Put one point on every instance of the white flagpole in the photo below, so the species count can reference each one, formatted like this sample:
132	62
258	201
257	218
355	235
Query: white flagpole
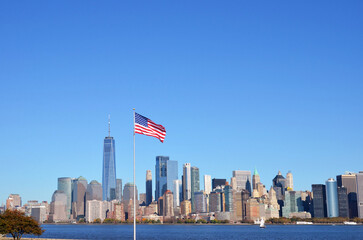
134	184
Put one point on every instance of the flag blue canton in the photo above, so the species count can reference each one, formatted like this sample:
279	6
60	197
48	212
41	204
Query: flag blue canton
139	119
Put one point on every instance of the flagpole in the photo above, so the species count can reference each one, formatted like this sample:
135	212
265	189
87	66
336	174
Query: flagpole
134	184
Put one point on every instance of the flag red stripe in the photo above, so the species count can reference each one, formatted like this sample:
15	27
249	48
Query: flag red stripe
153	130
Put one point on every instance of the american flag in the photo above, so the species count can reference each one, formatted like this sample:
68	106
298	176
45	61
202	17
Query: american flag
145	126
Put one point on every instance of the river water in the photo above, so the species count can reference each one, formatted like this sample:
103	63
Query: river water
207	232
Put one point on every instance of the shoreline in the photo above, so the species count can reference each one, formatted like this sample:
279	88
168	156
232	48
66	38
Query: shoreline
206	224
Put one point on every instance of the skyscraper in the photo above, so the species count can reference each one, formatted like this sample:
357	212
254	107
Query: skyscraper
13	201
207	184
149	187
343	202
200	201
79	197
195	184
359	177
168	206
243	180
279	185
58	207
228	195
187	179
94	191
292	203
215	202
349	181
65	185
218	182
319	201
171	174
161	182
176	192
119	190
289	181
332	198
109	167
255	179
128	193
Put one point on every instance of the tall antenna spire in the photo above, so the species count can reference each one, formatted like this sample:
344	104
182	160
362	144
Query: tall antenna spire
109	126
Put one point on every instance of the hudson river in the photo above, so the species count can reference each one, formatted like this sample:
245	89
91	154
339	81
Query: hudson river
208	232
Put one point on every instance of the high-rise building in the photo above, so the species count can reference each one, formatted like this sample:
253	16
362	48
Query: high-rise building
194	184
292	203
215	202
349	181
13	201
149	187
58	207
168	207
185	207
243	179
200	202
109	167
273	208
78	198
279	185
176	192
96	209
218	182
359	177
94	191
207	184
38	213
119	190
289	181
161	182
319	201
187	182
128	193
171	174
228	195
254	209
255	179
343	202
332	198
65	185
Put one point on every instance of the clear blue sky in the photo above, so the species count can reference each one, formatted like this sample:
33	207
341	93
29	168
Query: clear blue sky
276	85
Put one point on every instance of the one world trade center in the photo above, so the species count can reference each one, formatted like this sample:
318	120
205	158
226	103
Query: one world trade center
109	167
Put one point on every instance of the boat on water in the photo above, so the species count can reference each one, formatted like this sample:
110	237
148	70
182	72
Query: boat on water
303	223
350	223
262	223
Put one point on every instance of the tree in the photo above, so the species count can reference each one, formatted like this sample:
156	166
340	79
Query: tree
16	223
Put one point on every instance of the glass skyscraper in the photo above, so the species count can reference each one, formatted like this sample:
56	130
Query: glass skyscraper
65	185
149	187
332	198
243	180
160	176
319	200
109	169
195	184
187	185
171	175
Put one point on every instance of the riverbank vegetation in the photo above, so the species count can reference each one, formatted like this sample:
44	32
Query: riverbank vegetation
15	223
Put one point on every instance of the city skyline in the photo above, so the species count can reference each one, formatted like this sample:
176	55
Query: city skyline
276	86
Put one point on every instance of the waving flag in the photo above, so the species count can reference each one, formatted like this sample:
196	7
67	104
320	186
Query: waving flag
145	126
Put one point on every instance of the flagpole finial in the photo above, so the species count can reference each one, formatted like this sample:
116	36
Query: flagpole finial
133	109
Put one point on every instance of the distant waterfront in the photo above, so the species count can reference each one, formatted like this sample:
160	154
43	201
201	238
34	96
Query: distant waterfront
209	232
